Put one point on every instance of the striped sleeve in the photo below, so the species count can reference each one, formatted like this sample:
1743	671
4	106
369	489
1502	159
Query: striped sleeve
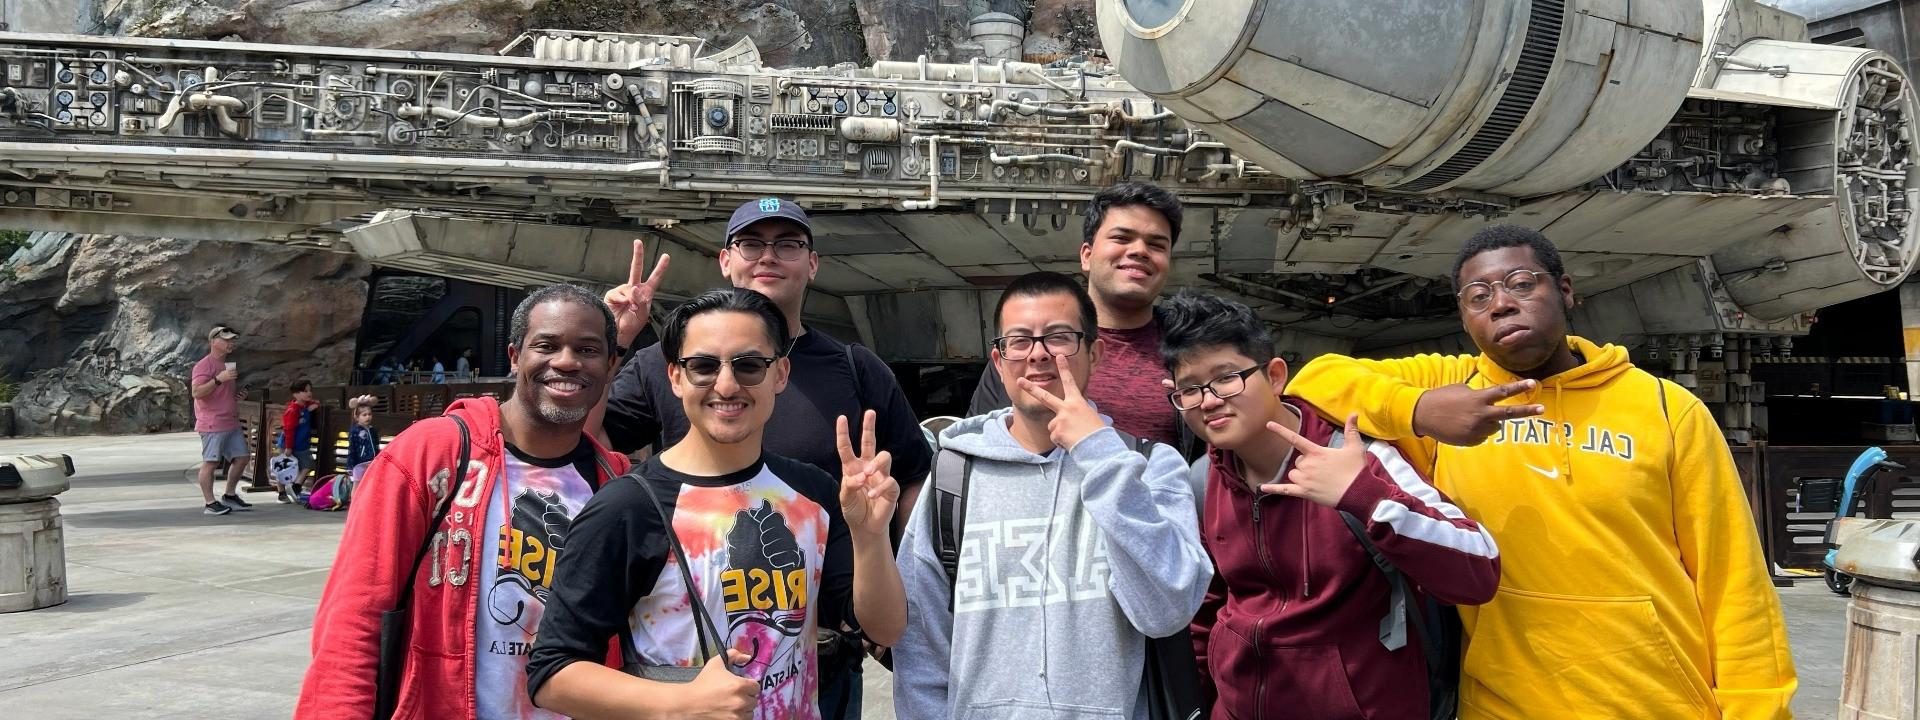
1430	539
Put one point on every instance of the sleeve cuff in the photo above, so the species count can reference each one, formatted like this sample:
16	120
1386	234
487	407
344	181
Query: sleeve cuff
1367	492
1097	444
1400	407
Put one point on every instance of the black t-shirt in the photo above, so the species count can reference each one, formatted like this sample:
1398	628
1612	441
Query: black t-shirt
643	410
771	563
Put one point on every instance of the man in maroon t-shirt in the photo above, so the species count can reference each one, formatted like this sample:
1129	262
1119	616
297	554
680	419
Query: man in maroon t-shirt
216	416
1126	252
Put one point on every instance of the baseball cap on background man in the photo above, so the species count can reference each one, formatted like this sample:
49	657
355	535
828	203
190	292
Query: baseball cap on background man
769	208
222	332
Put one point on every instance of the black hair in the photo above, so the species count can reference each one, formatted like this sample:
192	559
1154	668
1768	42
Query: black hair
1193	321
1044	282
1153	197
301	385
517	331
1498	237
740	300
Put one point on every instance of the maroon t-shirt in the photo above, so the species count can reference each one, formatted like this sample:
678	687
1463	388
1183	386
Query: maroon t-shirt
1126	384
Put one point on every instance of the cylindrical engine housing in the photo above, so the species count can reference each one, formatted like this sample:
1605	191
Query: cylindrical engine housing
1510	97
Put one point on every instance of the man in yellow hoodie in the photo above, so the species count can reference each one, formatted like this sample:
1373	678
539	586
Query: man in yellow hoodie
1633	584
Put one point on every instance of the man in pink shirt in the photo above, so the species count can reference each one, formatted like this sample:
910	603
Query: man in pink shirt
216	397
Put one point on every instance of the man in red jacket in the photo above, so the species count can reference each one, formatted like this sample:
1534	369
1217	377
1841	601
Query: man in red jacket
478	594
1292	624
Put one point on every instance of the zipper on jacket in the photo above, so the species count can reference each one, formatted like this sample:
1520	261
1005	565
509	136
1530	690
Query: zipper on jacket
1260	688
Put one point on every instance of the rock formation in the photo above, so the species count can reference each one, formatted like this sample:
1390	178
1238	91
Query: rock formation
106	328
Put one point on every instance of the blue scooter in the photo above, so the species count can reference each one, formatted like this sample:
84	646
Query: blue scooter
1860	476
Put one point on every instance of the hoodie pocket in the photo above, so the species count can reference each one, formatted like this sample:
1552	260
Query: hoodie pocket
1309	682
1577	656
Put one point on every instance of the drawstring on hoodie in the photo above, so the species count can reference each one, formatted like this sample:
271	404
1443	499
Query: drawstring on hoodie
1566	429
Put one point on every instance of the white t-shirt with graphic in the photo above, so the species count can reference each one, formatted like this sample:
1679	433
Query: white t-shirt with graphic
529	515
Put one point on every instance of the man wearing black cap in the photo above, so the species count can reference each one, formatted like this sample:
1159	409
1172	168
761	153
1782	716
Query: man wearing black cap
769	249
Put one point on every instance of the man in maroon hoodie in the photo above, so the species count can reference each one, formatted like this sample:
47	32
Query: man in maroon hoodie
479	593
1292	625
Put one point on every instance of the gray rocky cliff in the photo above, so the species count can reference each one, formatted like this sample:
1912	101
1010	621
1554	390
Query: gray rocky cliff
105	329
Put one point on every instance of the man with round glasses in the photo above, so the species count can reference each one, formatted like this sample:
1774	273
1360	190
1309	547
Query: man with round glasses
1289	572
1633	583
770	250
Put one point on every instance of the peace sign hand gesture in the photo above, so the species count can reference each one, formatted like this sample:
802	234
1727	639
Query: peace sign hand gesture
1321	474
1073	417
632	302
868	492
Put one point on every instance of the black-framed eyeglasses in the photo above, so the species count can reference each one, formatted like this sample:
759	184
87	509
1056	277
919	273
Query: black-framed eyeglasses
751	250
704	370
1520	284
1065	343
1223	387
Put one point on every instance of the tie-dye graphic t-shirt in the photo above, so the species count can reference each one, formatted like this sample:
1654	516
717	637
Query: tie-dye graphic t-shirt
528	517
770	560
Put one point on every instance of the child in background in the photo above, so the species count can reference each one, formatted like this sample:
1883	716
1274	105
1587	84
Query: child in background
296	435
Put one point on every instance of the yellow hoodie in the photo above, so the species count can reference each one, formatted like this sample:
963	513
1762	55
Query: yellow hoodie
1632	583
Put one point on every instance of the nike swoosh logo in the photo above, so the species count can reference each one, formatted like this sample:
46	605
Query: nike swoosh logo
1551	474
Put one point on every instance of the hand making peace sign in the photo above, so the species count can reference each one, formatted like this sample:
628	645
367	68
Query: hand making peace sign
633	301
868	491
1321	474
1073	417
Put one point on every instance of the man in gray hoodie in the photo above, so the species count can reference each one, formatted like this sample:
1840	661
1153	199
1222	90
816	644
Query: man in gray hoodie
1076	548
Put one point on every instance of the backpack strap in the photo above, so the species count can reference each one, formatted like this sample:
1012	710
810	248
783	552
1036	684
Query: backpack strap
1393	627
952	472
853	372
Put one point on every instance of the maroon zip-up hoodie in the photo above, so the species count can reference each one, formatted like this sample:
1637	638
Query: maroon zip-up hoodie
1291	626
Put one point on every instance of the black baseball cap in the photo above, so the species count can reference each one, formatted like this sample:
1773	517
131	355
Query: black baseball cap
767	208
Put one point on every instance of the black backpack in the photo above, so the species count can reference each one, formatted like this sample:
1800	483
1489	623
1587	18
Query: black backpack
1171	676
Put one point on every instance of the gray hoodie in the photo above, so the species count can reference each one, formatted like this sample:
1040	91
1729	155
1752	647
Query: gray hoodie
1069	561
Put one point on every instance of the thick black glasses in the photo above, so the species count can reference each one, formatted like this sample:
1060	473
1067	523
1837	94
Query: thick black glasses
1065	343
1223	387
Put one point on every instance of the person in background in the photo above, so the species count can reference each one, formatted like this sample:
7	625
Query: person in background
463	366
296	435
439	371
216	416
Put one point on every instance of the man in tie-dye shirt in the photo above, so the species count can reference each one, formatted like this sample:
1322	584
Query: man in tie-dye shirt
773	549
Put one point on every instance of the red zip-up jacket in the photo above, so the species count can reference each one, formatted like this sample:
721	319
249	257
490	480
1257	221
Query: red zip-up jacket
392	506
1291	626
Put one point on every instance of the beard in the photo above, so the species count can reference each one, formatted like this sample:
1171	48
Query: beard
556	414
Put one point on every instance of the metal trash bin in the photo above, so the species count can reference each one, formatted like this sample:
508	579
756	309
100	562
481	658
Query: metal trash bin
1882	676
33	556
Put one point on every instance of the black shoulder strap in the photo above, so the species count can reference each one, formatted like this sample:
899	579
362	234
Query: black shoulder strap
1393	627
853	371
459	476
952	473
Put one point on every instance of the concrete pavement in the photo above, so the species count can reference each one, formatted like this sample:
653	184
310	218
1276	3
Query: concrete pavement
175	614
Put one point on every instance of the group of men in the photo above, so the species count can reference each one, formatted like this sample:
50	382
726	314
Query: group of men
1136	476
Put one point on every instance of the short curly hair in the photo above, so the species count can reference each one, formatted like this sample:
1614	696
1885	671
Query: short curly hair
1498	237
